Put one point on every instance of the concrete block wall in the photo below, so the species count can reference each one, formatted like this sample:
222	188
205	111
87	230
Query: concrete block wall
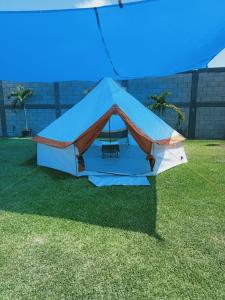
40	118
211	87
203	101
211	123
211	120
37	120
43	93
178	85
71	92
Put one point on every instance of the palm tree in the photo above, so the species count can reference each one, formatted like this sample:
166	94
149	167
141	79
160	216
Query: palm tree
20	96
161	105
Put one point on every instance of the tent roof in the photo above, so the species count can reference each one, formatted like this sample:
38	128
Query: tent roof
145	38
107	93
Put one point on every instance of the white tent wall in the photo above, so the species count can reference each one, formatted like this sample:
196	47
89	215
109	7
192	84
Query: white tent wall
62	159
168	156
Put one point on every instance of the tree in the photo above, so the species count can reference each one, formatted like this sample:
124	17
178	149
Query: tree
20	96
161	105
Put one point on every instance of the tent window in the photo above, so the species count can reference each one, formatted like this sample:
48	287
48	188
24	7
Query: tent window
117	134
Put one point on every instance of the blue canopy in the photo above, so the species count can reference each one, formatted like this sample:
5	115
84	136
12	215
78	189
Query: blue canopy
122	41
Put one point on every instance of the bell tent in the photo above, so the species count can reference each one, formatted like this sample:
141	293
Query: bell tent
73	143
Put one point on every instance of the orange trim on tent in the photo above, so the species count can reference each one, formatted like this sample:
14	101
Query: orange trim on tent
85	139
142	139
50	142
173	140
54	143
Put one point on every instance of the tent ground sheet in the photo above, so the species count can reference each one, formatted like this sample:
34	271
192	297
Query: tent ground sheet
131	161
118	180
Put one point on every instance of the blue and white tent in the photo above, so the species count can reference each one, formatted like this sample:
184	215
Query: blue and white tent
69	144
57	40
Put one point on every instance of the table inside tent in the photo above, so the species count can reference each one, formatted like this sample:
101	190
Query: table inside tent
110	148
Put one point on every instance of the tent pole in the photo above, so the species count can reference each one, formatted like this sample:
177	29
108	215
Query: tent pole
110	135
110	132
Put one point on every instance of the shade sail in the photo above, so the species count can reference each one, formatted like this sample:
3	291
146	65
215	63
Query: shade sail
143	38
28	5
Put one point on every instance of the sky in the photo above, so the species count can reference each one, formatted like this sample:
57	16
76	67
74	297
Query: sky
218	61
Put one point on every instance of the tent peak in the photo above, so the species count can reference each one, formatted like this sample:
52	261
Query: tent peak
109	82
107	79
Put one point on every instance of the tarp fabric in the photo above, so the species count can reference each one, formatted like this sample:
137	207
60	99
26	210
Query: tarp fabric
118	180
42	5
147	38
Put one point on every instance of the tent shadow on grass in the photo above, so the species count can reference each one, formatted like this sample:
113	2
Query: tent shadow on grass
64	196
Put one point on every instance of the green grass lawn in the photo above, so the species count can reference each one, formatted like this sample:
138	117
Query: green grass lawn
63	238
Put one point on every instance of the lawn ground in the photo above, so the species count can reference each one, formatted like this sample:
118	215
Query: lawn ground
62	238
